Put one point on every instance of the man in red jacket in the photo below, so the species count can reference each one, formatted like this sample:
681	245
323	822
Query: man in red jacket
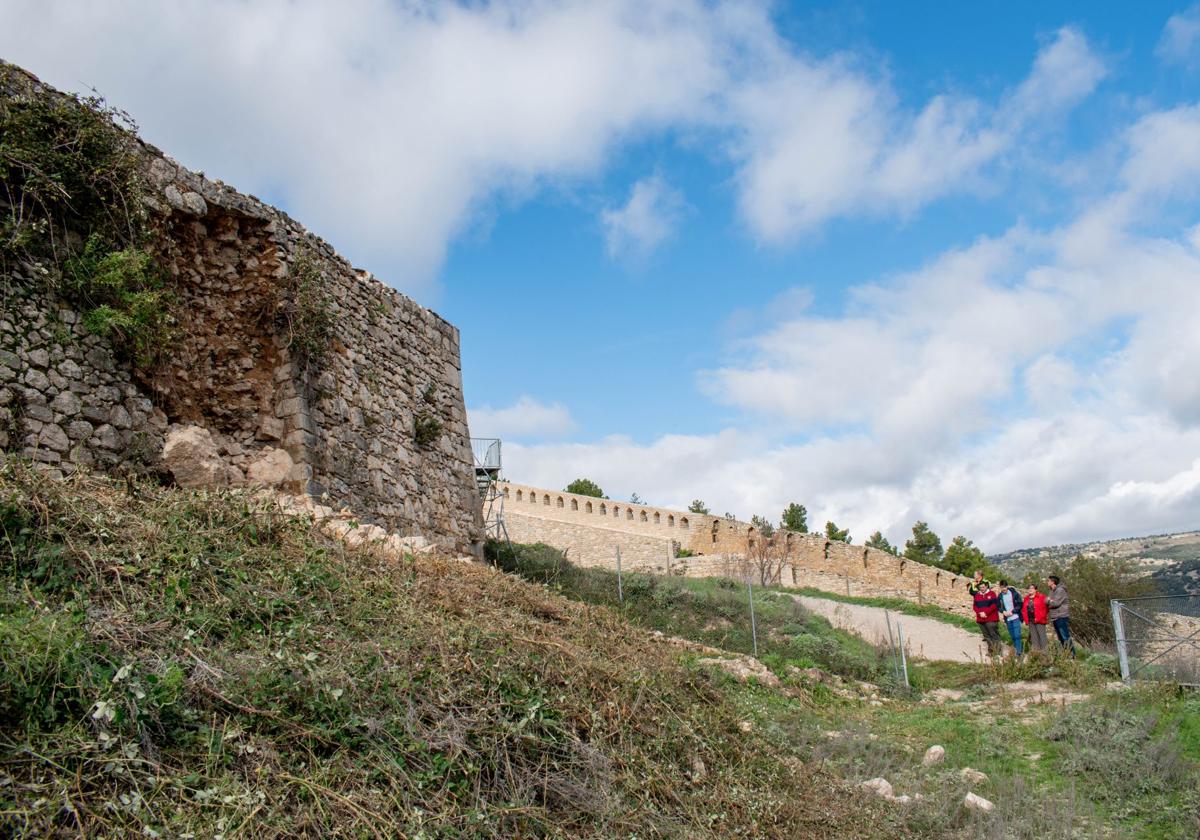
987	616
1037	616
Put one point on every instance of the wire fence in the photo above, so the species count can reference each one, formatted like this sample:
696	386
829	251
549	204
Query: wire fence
1158	638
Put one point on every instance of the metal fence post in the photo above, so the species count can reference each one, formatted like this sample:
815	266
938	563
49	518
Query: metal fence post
903	655
753	623
1119	632
887	618
620	586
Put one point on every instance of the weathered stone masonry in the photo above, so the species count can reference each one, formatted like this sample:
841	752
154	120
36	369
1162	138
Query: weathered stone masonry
346	424
590	530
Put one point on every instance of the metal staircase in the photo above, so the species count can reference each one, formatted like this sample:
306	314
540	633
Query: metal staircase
486	454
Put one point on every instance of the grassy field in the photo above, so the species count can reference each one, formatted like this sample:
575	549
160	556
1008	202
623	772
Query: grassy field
189	665
1076	761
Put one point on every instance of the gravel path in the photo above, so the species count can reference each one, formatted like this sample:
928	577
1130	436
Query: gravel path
924	637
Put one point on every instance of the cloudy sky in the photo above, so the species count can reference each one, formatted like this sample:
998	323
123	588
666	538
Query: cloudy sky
892	261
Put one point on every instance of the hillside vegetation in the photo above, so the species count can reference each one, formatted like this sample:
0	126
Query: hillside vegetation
1064	753
180	664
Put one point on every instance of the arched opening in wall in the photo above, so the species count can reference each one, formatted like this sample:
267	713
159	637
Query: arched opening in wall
657	518
519	496
574	504
825	550
589	507
560	501
683	523
903	563
645	518
604	510
670	520
546	500
506	492
629	514
937	579
715	526
616	512
533	498
865	558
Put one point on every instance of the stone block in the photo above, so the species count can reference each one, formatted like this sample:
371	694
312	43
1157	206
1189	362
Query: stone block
67	404
54	438
79	430
192	458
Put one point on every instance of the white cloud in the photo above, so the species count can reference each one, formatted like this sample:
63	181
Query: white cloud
1065	72
645	222
526	418
821	140
1035	387
1164	152
1180	41
382	125
388	127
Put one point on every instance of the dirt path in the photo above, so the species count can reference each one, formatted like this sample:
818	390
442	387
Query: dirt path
924	637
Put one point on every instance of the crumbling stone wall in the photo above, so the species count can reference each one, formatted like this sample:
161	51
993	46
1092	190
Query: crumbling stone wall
591	528
375	422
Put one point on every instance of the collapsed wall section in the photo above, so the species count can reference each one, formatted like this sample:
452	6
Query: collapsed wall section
283	354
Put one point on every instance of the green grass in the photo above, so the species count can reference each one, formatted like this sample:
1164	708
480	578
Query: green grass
712	611
1082	771
182	664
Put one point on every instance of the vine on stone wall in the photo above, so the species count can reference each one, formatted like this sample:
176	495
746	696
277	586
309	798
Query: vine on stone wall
73	212
304	315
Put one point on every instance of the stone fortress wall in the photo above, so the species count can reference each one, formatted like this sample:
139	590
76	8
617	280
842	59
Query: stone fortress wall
591	529
344	429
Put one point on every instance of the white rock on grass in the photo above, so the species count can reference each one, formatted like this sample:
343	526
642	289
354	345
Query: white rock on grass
973	776
934	755
879	786
974	802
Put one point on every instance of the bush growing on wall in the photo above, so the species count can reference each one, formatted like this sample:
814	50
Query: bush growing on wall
70	168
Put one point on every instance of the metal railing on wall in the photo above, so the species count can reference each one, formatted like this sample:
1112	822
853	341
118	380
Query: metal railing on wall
1158	638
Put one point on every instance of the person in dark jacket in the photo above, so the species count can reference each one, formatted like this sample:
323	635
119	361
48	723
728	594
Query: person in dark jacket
1036	616
987	616
1060	612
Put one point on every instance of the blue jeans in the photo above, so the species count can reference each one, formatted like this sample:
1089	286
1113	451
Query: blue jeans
1062	629
1014	632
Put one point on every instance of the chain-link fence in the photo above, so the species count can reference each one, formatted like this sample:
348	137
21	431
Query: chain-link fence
1158	638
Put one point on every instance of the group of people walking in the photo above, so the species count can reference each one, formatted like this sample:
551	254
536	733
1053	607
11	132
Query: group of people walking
1036	610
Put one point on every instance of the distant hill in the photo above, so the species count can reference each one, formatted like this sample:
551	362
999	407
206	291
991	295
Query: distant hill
1171	559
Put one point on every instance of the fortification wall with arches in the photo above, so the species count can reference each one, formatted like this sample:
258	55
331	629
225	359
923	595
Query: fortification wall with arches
590	530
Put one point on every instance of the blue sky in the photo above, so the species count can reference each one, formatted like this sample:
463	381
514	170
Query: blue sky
893	261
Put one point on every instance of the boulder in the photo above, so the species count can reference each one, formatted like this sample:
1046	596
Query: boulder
271	469
974	802
879	786
191	455
934	755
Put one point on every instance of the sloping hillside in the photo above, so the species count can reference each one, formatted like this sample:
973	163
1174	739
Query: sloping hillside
176	664
1171	560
